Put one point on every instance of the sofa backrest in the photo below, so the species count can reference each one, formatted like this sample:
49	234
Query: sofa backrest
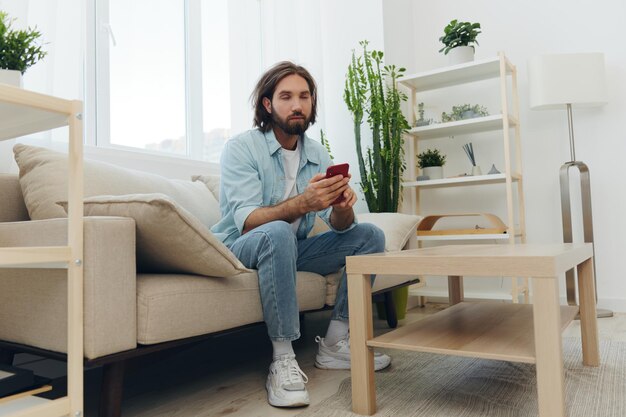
12	208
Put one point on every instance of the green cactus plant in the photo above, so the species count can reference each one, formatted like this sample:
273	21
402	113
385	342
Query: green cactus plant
371	89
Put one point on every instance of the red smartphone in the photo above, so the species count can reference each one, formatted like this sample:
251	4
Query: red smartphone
339	169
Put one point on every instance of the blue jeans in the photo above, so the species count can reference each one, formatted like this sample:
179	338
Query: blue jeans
273	250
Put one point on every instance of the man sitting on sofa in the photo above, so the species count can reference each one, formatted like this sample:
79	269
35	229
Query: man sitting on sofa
273	184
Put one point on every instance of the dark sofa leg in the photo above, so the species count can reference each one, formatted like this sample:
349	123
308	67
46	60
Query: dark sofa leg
390	309
6	356
112	389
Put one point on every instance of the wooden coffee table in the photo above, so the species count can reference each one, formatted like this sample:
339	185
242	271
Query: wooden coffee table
528	333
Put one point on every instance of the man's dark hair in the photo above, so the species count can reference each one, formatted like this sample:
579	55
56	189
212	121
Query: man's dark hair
266	86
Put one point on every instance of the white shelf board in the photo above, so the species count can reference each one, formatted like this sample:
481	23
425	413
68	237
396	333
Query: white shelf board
498	236
462	127
461	181
24	112
453	75
495	236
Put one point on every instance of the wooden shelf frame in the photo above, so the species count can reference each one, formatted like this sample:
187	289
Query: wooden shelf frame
24	112
500	70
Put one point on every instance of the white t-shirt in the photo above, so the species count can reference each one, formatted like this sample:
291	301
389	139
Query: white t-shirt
291	162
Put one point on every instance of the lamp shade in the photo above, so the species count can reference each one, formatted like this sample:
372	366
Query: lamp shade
576	79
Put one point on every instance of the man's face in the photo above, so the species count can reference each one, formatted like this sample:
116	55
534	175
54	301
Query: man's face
291	105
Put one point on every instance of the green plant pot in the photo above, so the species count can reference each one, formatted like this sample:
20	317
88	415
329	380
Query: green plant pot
400	298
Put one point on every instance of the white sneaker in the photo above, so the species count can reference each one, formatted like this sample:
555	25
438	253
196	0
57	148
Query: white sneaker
285	383
338	356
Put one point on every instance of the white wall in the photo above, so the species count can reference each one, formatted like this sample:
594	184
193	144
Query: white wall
523	30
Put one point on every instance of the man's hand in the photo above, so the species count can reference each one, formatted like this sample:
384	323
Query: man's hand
319	195
349	199
322	191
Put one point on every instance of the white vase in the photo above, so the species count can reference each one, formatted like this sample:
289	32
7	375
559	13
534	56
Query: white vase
434	173
11	77
460	55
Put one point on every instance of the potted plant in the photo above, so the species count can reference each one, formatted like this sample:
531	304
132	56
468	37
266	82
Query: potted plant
371	89
457	40
464	111
421	121
19	50
431	162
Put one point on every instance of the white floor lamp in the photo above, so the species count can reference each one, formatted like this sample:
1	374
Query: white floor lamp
564	81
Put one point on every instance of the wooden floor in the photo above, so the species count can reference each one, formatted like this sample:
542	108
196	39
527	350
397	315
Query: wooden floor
226	377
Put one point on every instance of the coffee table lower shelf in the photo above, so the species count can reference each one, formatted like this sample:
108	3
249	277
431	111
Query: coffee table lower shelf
487	330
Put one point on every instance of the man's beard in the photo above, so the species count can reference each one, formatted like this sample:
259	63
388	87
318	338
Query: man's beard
291	127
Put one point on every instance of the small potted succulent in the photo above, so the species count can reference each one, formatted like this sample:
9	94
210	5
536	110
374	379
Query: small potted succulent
19	50
457	39
431	162
421	121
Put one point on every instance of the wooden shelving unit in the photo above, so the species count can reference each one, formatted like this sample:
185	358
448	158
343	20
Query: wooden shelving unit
506	121
24	112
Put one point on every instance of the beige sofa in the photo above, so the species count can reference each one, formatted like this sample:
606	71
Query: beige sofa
131	307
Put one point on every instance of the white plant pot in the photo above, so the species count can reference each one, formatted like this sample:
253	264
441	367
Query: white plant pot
434	173
460	55
476	170
11	77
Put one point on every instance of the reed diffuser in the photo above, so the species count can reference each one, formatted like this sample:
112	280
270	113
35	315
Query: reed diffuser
469	151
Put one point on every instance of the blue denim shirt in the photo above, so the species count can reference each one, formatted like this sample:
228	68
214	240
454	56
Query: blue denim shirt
253	177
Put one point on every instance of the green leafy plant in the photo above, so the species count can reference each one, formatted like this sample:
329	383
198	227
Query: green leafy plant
371	89
459	34
19	49
431	158
464	111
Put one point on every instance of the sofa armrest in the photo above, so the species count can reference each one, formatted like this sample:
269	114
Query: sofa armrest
33	302
400	229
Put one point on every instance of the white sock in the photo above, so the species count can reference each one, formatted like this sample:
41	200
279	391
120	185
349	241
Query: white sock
282	348
337	330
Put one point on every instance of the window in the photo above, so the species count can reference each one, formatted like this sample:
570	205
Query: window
163	73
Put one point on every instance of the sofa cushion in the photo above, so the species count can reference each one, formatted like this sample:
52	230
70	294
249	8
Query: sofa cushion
212	182
169	238
43	178
171	307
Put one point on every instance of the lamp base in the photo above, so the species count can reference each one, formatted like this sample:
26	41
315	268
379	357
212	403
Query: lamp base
566	213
